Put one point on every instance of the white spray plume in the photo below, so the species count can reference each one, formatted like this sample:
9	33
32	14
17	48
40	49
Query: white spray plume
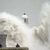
41	32
23	33
17	31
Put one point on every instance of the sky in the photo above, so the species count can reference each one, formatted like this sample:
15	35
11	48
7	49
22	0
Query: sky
17	7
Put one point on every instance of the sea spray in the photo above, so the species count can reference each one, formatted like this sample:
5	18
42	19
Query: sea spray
16	30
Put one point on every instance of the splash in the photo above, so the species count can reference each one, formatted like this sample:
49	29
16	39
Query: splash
45	14
19	32
42	32
16	30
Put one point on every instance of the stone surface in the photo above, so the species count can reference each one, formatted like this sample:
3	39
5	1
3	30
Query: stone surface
3	40
19	48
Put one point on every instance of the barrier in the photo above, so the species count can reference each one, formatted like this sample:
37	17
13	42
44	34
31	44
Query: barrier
19	48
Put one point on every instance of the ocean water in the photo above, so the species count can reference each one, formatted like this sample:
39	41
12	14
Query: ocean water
17	31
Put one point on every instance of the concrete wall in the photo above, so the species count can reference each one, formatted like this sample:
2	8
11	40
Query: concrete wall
3	40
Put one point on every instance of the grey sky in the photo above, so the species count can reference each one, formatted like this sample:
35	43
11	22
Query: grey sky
18	7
